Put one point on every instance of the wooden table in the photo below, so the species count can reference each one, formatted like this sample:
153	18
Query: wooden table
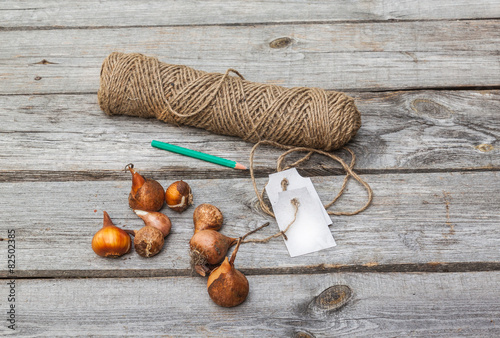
422	260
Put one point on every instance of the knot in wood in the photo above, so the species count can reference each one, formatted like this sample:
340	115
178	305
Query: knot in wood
303	334
280	42
330	300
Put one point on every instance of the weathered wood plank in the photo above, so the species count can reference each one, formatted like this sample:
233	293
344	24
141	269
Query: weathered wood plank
61	137
95	13
393	304
421	219
363	56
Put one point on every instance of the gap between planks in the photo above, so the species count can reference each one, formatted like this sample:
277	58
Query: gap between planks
431	267
367	90
192	174
236	24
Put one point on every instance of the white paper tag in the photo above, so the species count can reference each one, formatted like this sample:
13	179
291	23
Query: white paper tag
309	232
295	181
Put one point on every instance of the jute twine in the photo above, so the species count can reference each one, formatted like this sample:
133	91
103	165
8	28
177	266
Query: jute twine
309	152
134	84
300	119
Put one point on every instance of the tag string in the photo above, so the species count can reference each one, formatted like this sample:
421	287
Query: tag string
295	203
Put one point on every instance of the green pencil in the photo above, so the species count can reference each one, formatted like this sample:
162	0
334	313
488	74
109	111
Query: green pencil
197	154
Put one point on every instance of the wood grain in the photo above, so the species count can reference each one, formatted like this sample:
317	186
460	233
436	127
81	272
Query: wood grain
54	14
68	137
390	304
417	219
344	56
422	260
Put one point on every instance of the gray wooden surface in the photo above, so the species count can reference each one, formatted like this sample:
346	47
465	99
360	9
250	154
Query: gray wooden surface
417	222
423	260
343	56
381	304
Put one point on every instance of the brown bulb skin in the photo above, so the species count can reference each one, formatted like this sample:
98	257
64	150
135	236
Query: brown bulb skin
211	245
111	241
148	241
207	217
179	196
145	194
226	286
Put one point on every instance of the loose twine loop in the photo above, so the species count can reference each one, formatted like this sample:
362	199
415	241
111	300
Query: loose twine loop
279	167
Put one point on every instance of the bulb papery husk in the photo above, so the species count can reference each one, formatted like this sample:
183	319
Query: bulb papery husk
137	179
111	241
179	196
149	197
145	194
148	241
210	247
199	263
107	222
156	220
207	217
226	286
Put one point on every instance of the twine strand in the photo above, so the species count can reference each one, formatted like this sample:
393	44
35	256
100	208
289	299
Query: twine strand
347	168
296	204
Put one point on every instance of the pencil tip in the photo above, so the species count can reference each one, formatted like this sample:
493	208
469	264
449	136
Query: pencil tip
239	166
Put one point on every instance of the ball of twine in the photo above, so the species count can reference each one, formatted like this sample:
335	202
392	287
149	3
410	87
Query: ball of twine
138	85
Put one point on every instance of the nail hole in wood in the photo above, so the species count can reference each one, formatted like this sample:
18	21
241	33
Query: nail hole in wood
38	78
280	42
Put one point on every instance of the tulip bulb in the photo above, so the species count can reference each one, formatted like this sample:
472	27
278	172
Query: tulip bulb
145	194
207	217
156	220
208	247
111	241
148	241
179	196
227	286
